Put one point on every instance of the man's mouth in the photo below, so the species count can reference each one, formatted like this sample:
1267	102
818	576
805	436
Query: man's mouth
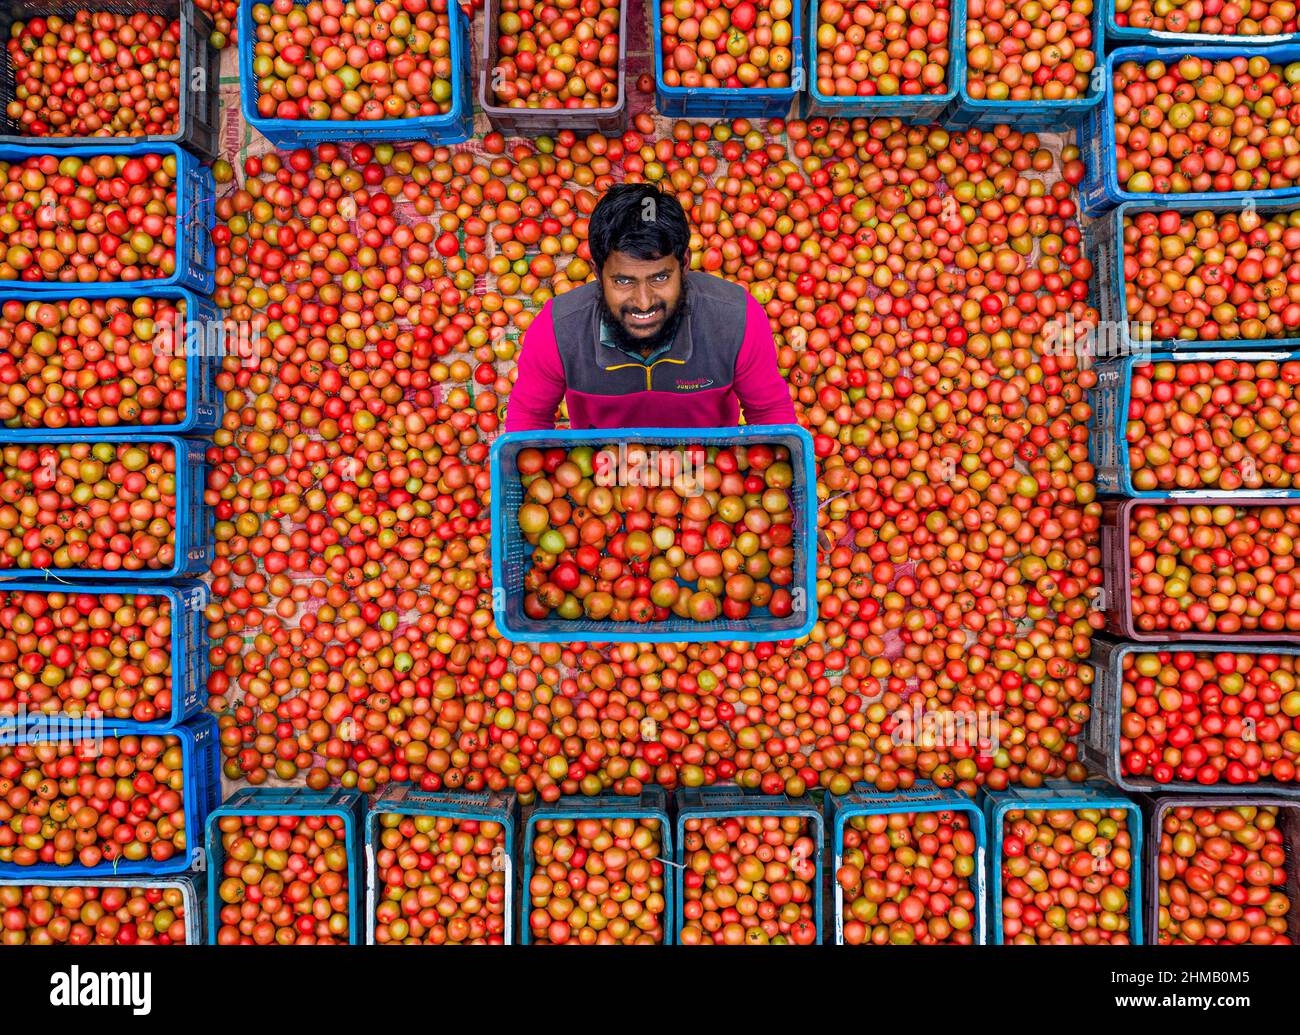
642	319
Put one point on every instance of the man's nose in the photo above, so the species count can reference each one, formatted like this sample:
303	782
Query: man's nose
644	298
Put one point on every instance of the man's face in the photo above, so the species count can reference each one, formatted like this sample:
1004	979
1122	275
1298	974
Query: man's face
642	294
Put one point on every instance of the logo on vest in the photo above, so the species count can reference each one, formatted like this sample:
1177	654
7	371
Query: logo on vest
691	386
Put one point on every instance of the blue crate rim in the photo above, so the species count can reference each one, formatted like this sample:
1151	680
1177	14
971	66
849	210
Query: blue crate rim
173	592
651	803
923	796
1077	105
202	212
721	93
186	473
492	811
693	803
877	106
347	128
1138	785
1109	178
1119	288
1048	797
1126	365
645	633
196	369
346	804
193	741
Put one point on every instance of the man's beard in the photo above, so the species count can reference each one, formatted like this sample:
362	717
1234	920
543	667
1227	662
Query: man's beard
629	342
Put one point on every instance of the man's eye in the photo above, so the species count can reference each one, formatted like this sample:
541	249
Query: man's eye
661	277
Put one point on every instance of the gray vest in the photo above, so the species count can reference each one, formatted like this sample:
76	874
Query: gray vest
702	356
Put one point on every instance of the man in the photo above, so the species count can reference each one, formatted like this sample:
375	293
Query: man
648	343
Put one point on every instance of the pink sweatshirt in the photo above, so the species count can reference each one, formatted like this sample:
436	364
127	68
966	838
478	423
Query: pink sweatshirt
722	362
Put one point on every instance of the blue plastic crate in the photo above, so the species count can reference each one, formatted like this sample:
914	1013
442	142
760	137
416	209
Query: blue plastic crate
1107	427
196	215
928	107
406	800
189	646
510	552
195	523
652	803
190	885
1106	236
745	102
455	127
924	796
1030	116
1100	190
1101	737
1130	36
200	766
1061	794
200	339
198	118
291	801
721	802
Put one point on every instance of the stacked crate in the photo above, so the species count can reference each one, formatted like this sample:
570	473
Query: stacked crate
54	690
1135	654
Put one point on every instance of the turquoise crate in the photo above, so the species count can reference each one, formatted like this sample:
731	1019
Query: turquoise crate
745	102
198	120
1100	742
190	885
1288	822
200	769
200	339
291	801
652	803
924	796
510	552
1061	794
1108	426
1106	237
721	802
1129	36
189	641
407	800
455	127
1100	190
196	215
195	523
927	107
1030	116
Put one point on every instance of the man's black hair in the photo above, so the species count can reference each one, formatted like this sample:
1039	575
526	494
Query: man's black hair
640	220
